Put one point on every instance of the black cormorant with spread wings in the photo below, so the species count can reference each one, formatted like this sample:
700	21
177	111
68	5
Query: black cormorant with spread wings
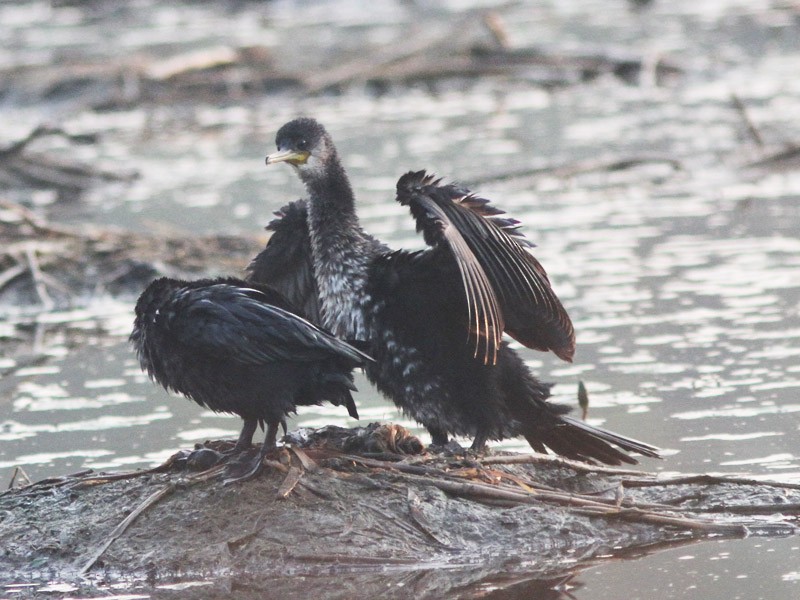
432	319
237	347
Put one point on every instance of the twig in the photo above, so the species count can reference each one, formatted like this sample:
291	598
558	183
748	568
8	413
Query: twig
345	559
45	171
496	26
379	61
103	479
40	131
685	498
10	274
38	224
578	168
308	464
18	472
707	480
38	279
639	516
789	509
389	518
289	483
315	490
751	128
583	400
120	529
415	512
150	501
583	505
258	527
478	491
575	465
397	466
788	158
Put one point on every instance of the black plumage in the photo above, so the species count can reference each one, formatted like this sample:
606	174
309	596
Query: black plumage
237	347
286	260
432	319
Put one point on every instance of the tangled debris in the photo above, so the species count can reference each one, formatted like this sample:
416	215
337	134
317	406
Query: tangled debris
50	265
22	167
371	515
474	46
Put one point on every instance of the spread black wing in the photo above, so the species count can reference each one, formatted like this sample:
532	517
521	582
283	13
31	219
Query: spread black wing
506	287
285	264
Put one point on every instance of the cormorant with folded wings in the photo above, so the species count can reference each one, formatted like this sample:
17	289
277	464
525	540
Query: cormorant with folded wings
237	347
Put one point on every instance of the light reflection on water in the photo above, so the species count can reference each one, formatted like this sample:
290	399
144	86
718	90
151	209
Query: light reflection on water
683	285
680	326
754	568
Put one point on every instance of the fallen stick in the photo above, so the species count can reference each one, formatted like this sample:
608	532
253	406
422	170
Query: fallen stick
638	516
289	483
707	480
120	529
752	130
579	168
580	467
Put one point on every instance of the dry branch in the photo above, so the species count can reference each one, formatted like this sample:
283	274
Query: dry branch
580	168
68	176
120	529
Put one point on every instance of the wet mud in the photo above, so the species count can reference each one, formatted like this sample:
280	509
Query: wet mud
424	524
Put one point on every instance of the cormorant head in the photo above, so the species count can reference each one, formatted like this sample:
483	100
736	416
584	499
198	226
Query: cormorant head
304	144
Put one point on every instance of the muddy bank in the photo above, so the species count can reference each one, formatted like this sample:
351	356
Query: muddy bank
326	508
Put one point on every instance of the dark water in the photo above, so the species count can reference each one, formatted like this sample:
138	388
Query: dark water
684	285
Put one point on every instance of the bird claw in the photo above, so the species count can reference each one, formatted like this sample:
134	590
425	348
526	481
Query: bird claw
253	468
254	471
451	448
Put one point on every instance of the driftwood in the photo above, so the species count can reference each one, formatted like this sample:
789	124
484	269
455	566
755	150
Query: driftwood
50	265
211	74
431	55
473	46
320	509
580	168
784	158
20	166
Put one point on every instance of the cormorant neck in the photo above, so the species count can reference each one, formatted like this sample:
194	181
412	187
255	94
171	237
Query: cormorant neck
341	250
332	210
330	182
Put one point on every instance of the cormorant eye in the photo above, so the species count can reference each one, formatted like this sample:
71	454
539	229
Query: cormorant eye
302	144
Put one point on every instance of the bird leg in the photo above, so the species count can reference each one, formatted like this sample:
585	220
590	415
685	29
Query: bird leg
441	443
257	465
438	437
478	444
203	458
246	436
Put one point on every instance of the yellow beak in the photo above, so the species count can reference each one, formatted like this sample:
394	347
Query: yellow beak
294	157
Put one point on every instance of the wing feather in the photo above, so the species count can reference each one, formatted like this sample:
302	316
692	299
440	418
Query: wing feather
286	264
484	315
506	287
242	324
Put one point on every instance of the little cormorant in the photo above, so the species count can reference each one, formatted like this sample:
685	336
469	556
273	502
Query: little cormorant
237	347
431	319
